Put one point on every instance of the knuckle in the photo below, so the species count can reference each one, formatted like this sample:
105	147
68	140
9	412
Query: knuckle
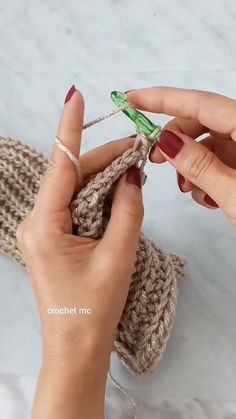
25	238
52	166
141	211
31	239
55	165
22	230
207	95
229	202
134	211
20	233
28	242
199	164
203	98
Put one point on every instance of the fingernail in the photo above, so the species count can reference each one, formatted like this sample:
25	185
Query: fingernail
70	93
170	143
180	180
151	153
209	201
133	176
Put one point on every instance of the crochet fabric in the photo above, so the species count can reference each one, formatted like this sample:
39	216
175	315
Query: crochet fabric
146	321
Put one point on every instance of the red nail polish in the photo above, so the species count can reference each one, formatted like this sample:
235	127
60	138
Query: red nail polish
170	143
151	153
180	180
209	201
70	92
133	176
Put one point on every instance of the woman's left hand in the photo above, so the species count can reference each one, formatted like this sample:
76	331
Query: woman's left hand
73	272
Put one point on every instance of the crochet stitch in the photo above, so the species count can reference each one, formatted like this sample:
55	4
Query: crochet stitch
144	328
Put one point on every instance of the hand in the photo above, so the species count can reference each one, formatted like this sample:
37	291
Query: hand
205	168
70	271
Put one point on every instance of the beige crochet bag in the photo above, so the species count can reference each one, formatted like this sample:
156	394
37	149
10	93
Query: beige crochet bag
146	322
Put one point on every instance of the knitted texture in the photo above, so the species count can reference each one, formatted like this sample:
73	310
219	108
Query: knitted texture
147	318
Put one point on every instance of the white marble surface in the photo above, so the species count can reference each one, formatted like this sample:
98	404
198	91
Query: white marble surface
17	393
102	46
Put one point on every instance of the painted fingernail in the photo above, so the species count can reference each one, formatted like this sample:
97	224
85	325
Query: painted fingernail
133	176
209	201
151	153
70	93
180	180
170	143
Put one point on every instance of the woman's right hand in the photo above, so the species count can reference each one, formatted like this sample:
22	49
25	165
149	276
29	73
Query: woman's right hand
206	168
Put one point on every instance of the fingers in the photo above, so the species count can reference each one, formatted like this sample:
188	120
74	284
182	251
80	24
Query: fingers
226	152
189	127
199	165
211	110
59	181
203	199
122	233
184	184
99	158
192	128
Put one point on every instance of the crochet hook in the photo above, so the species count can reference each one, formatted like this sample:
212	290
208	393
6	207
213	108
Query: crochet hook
143	124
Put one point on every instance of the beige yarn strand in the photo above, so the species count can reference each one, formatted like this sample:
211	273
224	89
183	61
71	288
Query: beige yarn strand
125	393
89	124
101	118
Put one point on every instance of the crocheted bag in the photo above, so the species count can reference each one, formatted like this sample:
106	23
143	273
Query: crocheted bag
146	321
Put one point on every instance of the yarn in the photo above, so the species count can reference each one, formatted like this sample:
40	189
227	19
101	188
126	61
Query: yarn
146	322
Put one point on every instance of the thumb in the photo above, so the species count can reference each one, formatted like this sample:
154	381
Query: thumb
199	165
122	234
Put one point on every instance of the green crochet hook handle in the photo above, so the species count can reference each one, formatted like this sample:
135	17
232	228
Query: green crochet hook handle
143	124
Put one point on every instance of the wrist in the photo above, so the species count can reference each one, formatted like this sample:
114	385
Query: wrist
66	350
71	384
